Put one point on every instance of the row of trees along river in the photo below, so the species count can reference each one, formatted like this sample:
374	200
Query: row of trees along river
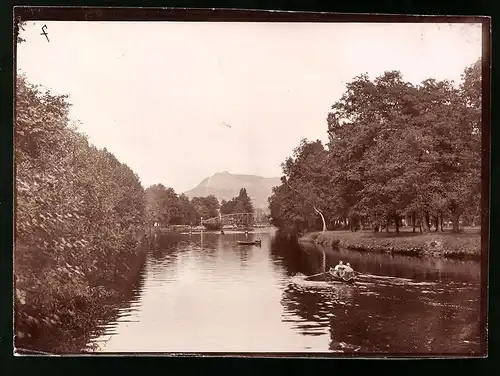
81	217
166	208
395	151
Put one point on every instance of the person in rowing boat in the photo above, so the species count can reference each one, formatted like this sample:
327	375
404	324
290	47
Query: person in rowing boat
338	271
348	271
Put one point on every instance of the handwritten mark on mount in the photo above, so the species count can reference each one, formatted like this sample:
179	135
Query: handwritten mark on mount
44	33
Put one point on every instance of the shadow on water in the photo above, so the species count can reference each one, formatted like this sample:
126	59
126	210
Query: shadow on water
312	258
394	320
292	257
160	248
130	294
403	305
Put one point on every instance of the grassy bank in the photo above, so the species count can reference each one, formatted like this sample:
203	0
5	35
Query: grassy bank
465	245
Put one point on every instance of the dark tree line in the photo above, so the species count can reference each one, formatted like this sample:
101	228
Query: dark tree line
239	204
396	151
165	207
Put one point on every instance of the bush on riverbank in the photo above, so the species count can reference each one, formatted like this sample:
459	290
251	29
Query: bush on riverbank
79	223
442	244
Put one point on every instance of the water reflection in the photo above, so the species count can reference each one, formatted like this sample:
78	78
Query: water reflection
396	320
402	305
204	292
395	265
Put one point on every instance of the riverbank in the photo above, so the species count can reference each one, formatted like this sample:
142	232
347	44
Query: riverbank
59	306
465	245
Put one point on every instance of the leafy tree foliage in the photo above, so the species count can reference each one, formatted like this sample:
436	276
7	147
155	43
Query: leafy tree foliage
239	204
188	212
165	207
79	214
296	204
206	207
395	151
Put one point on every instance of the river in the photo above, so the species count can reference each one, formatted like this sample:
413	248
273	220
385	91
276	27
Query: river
204	293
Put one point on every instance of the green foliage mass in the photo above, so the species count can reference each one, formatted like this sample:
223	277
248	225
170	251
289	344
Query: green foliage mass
239	204
80	217
395	151
166	208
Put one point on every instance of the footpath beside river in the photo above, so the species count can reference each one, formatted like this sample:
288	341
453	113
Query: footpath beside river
464	245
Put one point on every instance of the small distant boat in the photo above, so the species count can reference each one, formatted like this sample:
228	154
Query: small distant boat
249	242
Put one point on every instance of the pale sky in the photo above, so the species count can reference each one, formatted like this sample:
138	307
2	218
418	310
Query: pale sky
158	95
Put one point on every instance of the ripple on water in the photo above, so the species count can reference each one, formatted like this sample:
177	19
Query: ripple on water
369	293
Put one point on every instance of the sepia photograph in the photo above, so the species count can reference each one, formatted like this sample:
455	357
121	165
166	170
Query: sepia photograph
271	186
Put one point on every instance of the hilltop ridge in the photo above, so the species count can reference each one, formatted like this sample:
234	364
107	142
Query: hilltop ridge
225	186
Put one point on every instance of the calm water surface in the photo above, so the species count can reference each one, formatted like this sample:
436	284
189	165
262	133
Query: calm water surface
205	293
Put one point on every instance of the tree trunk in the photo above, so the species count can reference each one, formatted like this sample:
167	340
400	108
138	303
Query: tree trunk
323	262
455	218
387	224
322	218
425	222
413	221
436	223
353	224
396	224
441	216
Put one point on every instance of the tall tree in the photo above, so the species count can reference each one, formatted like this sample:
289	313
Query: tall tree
395	150
301	201
246	202
206	207
188	212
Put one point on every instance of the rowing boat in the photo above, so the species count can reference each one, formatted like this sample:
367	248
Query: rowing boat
249	242
329	277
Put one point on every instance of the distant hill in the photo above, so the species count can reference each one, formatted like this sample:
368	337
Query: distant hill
225	186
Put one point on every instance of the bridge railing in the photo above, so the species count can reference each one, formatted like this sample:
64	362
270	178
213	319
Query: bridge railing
237	218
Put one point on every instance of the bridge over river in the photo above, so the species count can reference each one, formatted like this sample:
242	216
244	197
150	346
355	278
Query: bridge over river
239	220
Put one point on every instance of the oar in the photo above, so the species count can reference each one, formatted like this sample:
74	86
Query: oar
316	275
